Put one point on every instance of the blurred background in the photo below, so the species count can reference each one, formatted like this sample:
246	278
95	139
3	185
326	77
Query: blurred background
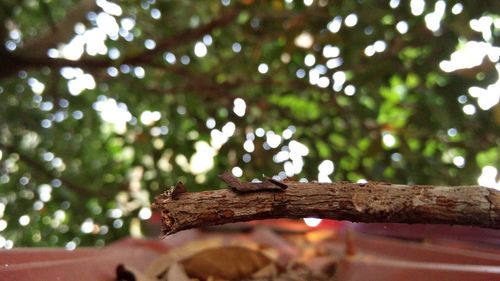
105	104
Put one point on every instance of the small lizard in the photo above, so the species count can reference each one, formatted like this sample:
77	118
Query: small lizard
177	190
268	184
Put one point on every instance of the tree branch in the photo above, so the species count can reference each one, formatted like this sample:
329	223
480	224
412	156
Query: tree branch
13	62
33	55
58	32
371	202
36	165
186	36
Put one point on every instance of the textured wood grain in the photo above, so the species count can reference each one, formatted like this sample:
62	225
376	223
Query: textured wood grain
370	202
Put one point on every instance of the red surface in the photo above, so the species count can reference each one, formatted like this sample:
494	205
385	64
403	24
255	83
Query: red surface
431	232
379	258
81	264
376	268
433	253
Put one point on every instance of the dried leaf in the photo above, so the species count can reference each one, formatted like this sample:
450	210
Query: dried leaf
265	236
211	278
268	272
228	263
322	265
176	273
159	267
320	235
128	273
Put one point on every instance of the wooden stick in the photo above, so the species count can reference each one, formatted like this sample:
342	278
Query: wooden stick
369	202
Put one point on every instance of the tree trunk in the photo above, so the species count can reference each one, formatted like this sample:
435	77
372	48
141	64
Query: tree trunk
370	202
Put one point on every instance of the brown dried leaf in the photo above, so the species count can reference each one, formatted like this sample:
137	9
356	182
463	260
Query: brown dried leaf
129	273
322	265
320	235
159	267
268	272
228	263
176	273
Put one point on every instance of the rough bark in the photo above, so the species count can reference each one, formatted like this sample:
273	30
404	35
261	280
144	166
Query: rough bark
370	202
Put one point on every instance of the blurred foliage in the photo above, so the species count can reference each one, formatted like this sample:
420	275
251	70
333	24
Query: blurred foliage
355	82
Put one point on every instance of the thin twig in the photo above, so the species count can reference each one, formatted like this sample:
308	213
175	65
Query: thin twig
371	202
